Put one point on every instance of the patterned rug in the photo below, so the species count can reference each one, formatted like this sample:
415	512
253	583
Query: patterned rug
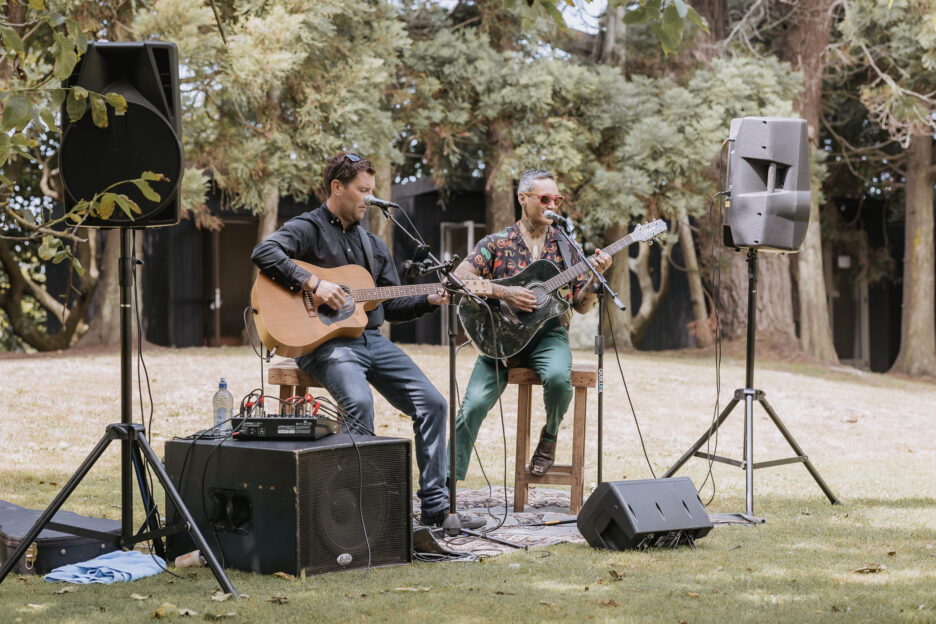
543	505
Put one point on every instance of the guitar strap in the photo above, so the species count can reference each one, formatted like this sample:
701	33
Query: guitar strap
368	250
566	253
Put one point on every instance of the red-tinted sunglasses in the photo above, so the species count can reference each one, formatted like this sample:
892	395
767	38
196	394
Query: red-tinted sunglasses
545	199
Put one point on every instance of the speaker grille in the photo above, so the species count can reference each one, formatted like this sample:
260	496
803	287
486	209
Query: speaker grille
330	503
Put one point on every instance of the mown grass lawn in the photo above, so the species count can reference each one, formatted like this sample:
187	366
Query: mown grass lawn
872	437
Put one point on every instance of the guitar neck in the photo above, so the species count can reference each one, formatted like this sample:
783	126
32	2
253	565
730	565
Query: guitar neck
383	293
569	274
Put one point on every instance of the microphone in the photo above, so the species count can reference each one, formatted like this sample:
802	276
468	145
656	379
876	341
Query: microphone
565	221
383	204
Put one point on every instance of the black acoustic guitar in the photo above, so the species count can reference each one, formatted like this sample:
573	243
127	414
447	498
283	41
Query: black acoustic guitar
505	331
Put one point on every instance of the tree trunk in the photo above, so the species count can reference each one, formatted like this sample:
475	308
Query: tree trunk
608	52
917	354
499	209
715	13
104	328
804	47
379	224
268	222
774	298
618	277
701	328
650	297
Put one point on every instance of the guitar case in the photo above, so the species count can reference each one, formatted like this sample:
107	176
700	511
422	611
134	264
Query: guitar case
52	548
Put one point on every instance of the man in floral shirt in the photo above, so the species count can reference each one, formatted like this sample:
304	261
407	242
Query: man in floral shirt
504	254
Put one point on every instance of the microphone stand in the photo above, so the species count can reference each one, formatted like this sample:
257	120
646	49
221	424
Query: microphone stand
601	286
451	525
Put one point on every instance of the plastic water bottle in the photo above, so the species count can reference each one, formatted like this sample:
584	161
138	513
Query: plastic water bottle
223	403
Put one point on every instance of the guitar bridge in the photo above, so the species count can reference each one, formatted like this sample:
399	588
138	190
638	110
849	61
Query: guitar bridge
309	303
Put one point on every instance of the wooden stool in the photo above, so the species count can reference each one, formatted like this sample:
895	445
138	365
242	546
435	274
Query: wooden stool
584	376
291	379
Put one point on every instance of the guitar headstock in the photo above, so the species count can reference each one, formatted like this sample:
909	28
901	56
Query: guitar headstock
481	287
648	231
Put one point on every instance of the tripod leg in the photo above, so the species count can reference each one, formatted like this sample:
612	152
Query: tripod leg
149	505
708	434
749	451
55	505
796	449
196	535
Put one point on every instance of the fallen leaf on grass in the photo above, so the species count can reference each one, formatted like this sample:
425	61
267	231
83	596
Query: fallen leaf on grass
353	595
617	576
608	603
547	603
34	606
23	578
218	616
220	596
892	553
871	568
66	590
417	589
138	597
692	595
284	576
184	611
503	593
278	599
165	610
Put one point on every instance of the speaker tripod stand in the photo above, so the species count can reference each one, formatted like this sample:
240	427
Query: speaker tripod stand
749	395
134	451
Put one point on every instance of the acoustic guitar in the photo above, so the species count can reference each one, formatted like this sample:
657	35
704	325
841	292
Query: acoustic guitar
296	323
501	331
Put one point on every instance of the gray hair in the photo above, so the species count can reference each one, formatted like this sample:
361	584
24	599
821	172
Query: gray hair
528	177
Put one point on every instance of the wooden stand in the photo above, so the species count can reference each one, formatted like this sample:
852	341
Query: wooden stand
584	376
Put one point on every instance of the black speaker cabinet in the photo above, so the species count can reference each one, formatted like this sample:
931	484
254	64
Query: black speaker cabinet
295	506
768	177
146	138
641	514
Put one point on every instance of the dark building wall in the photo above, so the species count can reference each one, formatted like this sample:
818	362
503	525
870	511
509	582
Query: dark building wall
173	291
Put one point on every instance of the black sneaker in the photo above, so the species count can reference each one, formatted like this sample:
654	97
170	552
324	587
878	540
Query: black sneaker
468	521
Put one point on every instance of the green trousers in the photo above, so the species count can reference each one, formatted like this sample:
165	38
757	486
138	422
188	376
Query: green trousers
549	355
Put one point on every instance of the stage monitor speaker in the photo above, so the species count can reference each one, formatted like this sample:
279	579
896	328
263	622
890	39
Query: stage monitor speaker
650	513
768	184
295	506
146	138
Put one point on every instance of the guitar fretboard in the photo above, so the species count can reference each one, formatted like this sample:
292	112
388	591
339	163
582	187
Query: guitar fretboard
383	293
569	274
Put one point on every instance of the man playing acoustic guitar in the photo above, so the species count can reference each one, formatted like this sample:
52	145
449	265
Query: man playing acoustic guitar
505	254
331	236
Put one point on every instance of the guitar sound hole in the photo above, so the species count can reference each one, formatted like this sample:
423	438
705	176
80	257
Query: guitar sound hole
329	316
542	297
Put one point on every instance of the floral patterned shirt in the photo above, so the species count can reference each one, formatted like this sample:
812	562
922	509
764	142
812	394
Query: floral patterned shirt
505	253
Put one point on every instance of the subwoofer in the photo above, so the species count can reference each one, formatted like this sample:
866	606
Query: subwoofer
641	514
296	506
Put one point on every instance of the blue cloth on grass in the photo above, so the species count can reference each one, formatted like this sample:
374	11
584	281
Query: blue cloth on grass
114	567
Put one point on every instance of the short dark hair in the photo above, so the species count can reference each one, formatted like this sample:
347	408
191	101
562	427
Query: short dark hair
344	167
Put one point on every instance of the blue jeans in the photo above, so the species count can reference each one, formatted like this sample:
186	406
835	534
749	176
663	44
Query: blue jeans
345	366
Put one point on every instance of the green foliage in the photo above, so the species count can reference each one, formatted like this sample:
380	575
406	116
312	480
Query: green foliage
667	18
296	82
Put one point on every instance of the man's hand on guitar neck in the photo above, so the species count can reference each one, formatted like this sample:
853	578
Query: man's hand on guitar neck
330	293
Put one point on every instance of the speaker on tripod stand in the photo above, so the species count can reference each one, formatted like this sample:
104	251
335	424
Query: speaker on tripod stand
767	208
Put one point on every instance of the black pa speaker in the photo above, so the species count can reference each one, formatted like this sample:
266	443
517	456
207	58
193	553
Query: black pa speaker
650	513
295	506
146	138
768	184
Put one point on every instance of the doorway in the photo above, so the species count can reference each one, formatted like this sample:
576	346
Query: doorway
458	238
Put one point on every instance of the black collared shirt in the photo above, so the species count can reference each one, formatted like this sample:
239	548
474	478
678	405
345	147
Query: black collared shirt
317	237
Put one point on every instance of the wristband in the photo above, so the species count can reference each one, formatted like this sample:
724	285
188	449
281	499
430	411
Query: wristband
314	288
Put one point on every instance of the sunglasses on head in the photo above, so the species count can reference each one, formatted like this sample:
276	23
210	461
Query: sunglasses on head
352	157
545	199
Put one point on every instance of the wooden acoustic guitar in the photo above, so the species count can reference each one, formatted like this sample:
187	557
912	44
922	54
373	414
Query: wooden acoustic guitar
296	323
500	331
